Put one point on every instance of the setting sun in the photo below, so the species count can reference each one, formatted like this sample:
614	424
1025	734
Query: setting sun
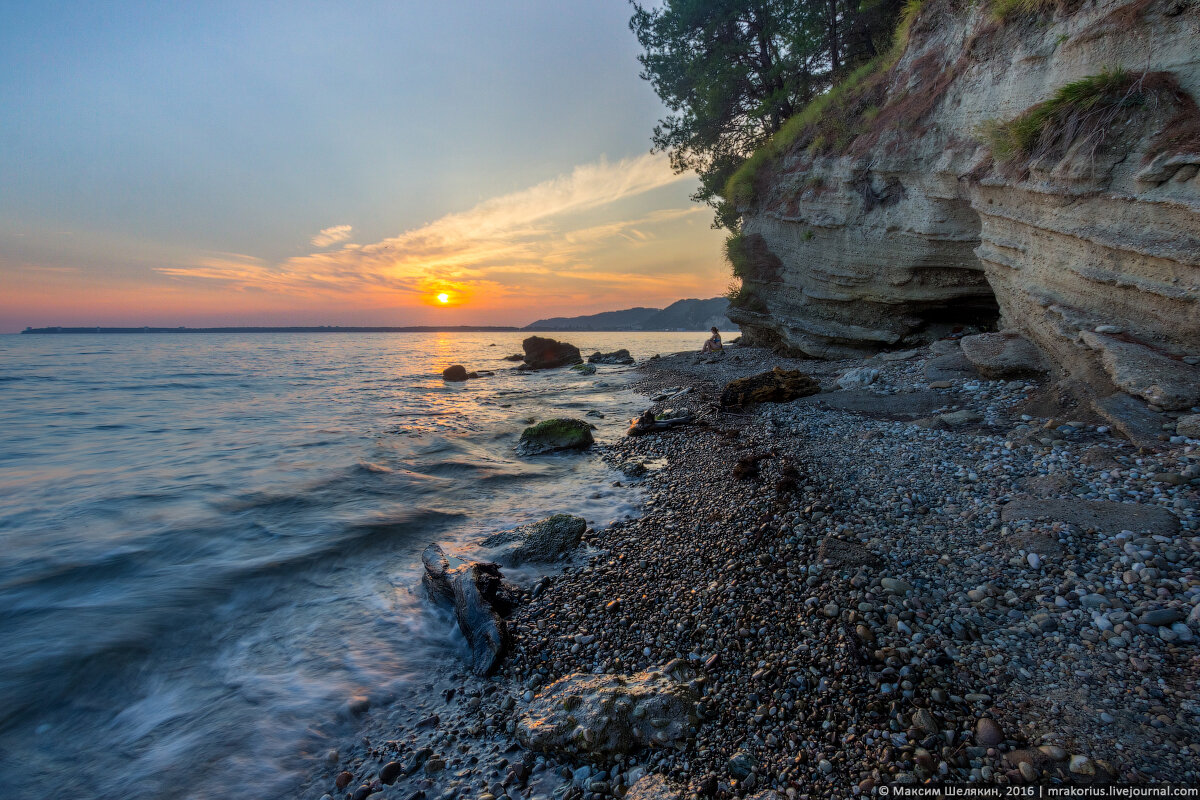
443	298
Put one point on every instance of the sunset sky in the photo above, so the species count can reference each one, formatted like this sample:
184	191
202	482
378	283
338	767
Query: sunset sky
334	164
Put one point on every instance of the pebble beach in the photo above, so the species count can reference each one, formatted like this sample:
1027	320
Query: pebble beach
908	577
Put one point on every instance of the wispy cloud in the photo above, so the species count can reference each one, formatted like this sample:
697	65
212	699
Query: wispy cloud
328	236
534	237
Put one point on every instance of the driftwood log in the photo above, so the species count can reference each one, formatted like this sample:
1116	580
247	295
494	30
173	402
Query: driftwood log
480	599
640	427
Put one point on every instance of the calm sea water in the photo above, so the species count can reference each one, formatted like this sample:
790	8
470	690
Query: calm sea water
209	542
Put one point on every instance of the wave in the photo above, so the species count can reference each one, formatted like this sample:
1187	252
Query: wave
77	624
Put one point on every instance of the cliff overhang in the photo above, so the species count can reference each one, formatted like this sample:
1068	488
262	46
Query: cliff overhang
1038	173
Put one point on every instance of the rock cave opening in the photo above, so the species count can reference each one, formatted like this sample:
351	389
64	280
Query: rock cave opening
969	303
974	315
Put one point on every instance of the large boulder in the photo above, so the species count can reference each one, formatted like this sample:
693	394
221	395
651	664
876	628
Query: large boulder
545	541
1000	356
858	378
1146	372
950	366
455	374
776	386
541	353
608	714
616	357
555	434
653	787
480	598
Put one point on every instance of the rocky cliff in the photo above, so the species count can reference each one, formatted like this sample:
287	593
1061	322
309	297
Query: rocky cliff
1037	172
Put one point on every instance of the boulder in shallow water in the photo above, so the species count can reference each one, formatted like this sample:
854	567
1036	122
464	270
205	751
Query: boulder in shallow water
608	714
542	353
584	369
455	373
776	386
545	541
555	434
621	356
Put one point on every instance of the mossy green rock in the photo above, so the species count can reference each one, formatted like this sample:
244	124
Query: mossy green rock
555	434
545	541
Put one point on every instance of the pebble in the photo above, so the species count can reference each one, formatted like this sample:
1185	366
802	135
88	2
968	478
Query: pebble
988	732
1081	765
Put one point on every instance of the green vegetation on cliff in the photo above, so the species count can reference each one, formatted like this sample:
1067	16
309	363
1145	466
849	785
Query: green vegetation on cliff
833	119
1081	107
1090	110
732	72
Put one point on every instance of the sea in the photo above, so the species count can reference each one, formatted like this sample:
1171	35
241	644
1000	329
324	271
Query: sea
209	542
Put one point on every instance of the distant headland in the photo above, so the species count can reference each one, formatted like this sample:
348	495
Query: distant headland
680	315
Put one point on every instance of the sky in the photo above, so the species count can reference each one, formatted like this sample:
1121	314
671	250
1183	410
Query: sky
297	163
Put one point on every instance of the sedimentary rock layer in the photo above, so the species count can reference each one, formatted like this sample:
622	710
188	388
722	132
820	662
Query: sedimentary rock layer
916	225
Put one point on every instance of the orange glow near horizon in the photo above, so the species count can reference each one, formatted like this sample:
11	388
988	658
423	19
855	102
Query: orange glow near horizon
587	241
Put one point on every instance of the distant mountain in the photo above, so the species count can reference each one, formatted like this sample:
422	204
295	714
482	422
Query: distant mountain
691	315
688	315
630	319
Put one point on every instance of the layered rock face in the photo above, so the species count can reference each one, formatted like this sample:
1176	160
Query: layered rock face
1091	249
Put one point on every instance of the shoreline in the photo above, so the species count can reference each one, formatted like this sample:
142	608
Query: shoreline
848	615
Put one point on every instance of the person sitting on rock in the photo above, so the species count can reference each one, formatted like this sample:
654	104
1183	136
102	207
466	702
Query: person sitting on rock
713	343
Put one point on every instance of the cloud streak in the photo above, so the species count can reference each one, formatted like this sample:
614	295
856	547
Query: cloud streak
544	237
328	236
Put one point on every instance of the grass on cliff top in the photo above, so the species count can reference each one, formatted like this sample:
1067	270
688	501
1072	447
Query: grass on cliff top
830	119
1088	107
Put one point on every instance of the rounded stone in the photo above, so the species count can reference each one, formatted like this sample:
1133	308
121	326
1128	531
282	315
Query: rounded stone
988	732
